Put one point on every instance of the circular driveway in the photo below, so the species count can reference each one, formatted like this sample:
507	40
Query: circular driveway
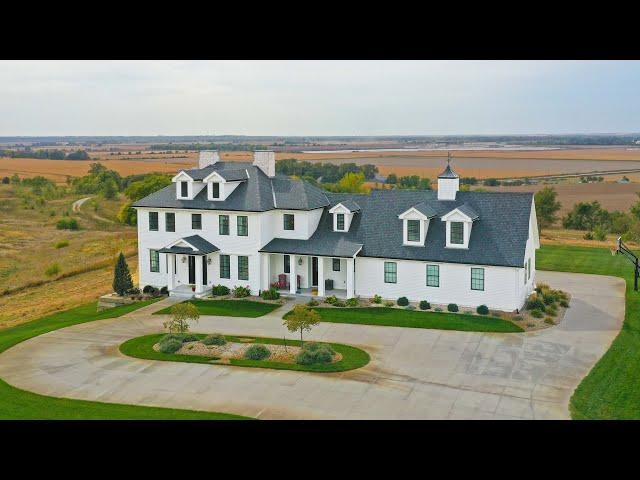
413	374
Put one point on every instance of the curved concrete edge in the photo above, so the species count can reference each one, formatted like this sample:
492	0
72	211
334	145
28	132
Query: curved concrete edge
413	373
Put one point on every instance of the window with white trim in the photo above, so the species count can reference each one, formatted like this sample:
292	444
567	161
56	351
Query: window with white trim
433	275
154	261
390	272
477	279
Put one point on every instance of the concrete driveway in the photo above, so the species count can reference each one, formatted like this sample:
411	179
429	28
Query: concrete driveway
414	373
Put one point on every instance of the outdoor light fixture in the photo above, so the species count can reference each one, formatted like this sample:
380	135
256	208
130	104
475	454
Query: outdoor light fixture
209	261
184	258
299	260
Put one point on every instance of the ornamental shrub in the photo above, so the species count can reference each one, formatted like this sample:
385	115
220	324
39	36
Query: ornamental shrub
403	301
240	292
376	299
483	310
219	290
352	302
257	351
424	305
452	307
271	294
536	313
170	346
313	353
214	339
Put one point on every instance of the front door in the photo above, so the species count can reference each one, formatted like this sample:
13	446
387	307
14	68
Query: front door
204	269
314	271
192	269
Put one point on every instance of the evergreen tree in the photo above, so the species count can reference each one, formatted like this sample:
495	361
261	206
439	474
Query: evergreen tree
122	277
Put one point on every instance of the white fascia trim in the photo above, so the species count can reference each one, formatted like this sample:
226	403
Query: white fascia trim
413	210
338	207
181	240
208	177
455	210
182	172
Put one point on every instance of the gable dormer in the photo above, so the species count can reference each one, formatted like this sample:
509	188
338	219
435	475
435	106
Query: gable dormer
343	215
415	224
220	184
459	222
186	187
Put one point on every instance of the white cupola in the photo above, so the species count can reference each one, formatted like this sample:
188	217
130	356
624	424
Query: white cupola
448	182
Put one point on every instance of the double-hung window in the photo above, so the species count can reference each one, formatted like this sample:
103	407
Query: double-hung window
153	221
457	233
289	221
413	230
223	224
196	221
243	225
184	189
287	263
243	267
390	272
170	222
225	266
477	279
336	264
433	275
215	186
340	221
154	261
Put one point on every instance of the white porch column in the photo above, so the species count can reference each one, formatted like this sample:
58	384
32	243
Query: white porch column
293	280
350	282
199	286
321	292
265	274
171	275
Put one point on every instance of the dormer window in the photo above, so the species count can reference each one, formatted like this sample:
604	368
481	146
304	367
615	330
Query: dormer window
413	230
215	190
185	186
459	222
415	224
343	215
457	233
184	189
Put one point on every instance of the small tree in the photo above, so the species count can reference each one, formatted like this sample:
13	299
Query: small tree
301	318
181	315
546	207
122	277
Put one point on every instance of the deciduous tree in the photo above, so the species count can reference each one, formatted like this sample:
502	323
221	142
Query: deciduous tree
301	318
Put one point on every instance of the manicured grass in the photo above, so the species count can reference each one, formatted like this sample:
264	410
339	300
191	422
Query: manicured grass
16	404
394	317
352	357
230	308
612	388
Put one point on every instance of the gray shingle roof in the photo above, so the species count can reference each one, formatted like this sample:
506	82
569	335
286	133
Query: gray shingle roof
468	211
448	173
233	175
426	209
256	194
203	246
498	237
350	205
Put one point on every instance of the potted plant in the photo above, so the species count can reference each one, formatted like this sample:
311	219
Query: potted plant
193	288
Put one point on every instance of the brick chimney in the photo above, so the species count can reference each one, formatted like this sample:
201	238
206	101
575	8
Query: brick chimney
208	157
265	160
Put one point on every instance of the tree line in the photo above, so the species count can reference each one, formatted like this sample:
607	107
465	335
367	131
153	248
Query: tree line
50	154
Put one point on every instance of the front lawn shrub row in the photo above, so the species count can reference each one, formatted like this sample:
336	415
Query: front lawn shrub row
219	290
271	294
240	292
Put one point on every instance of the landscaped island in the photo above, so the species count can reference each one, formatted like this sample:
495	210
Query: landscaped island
247	351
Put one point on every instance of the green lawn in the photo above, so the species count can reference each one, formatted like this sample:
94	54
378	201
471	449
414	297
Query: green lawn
19	404
352	357
393	317
231	308
612	388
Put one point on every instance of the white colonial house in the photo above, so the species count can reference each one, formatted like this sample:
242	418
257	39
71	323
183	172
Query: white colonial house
234	223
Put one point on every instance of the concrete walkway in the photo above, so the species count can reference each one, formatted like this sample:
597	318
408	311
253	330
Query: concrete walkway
414	373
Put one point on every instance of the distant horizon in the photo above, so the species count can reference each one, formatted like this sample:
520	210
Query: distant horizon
292	98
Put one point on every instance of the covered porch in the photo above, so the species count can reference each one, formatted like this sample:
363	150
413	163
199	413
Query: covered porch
308	275
188	261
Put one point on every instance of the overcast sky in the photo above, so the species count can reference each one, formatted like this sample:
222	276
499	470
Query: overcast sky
317	97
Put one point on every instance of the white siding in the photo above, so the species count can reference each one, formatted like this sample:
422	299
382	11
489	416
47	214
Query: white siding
501	288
